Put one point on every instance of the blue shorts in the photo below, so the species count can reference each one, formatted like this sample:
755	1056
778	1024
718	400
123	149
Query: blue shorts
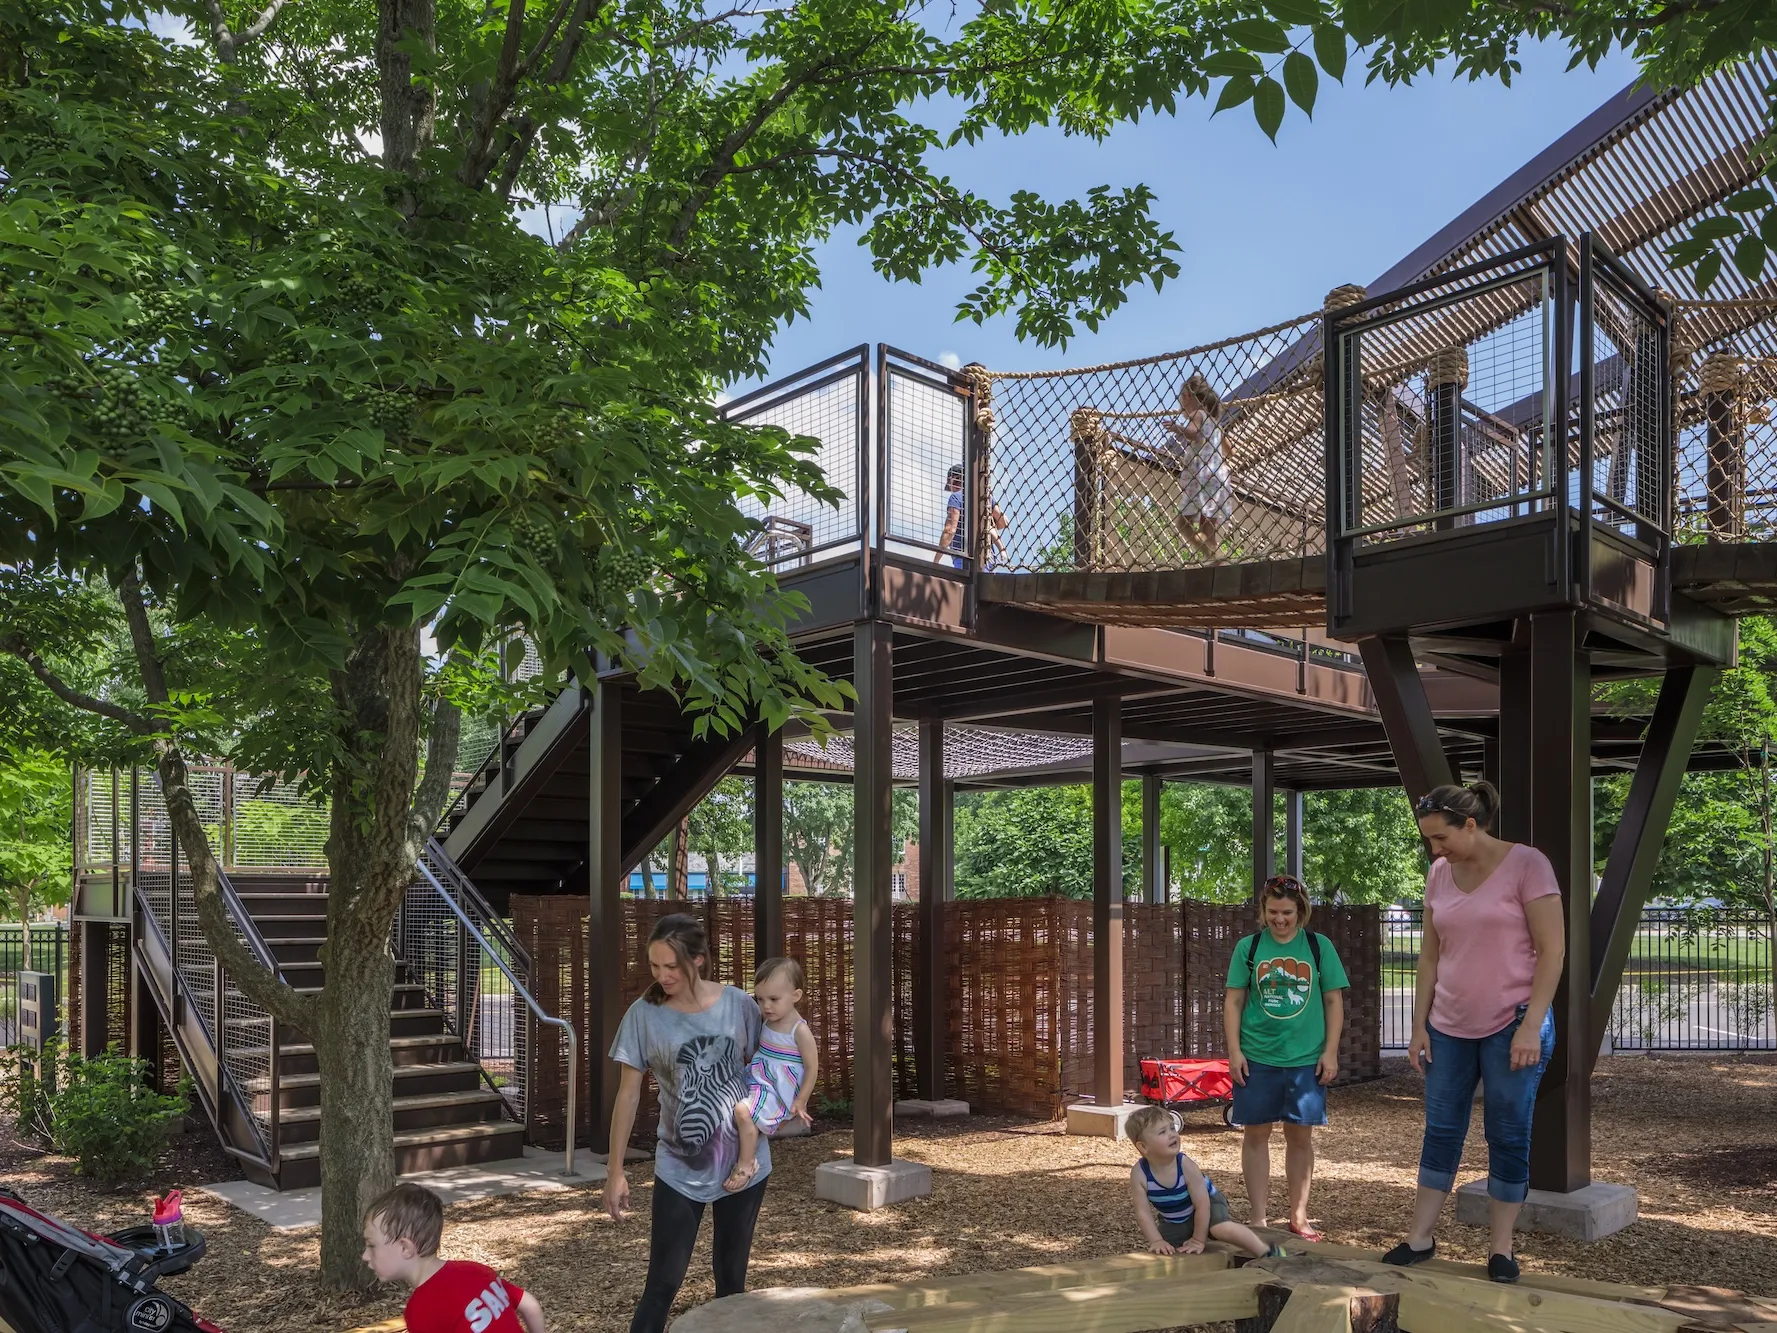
1277	1096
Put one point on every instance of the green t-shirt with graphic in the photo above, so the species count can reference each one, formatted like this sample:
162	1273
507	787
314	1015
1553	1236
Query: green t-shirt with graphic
1285	1022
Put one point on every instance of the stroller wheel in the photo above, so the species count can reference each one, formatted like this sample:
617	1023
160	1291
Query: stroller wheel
1228	1117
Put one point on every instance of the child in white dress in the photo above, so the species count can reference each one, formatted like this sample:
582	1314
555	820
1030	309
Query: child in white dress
781	1074
1208	497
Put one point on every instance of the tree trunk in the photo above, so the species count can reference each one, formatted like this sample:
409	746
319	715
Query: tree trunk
371	848
712	873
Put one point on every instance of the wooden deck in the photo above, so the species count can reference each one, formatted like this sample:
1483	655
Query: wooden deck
1737	579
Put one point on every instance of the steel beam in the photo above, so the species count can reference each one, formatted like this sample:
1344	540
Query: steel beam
1561	828
931	1012
1153	851
604	875
1635	849
1264	793
1406	714
768	845
1107	902
873	1093
1292	833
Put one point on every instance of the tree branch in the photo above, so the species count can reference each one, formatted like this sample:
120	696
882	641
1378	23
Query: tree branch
516	146
87	703
256	29
258	982
441	763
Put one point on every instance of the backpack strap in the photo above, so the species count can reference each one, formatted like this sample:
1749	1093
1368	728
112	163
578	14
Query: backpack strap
1314	951
1252	953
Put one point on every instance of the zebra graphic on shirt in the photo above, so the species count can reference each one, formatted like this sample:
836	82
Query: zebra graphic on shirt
710	1083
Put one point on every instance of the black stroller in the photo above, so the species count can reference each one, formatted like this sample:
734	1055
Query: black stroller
55	1278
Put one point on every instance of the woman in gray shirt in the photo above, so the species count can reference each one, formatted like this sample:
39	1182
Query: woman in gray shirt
695	1037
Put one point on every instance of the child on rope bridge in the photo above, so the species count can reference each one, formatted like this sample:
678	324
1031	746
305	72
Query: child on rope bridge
781	1074
1177	1207
1207	495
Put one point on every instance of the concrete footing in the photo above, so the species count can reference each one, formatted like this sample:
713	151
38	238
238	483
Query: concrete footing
867	1188
1592	1213
1101	1121
916	1109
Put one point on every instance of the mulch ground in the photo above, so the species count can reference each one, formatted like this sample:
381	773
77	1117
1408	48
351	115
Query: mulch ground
1693	1135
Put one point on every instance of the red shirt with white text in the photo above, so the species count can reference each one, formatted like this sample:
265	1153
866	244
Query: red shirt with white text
464	1297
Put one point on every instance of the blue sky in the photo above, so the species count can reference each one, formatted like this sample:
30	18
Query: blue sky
1265	231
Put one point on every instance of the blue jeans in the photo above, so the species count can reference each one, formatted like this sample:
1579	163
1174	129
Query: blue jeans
1508	1099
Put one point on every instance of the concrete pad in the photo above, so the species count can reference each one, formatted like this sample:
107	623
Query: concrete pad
867	1188
537	1172
806	1309
1102	1121
1592	1213
916	1108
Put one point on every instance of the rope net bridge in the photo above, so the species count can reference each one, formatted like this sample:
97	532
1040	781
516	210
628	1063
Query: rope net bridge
1191	489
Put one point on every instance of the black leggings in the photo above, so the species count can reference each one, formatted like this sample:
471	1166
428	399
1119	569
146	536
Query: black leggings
671	1237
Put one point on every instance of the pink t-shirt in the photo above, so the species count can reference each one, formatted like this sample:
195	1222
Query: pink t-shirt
1485	955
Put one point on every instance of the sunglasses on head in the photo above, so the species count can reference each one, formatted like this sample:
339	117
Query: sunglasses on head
1428	805
1285	882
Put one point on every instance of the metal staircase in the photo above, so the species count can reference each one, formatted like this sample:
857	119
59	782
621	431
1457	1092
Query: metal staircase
462	1022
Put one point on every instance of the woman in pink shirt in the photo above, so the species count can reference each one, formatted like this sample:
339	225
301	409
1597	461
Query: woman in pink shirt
1489	961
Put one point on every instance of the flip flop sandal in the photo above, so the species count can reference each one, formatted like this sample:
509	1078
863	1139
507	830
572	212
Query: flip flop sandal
1307	1233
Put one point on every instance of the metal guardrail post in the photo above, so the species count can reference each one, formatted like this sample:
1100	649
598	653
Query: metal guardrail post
273	1084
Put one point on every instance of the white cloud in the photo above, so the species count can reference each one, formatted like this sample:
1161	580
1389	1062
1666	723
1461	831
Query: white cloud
950	359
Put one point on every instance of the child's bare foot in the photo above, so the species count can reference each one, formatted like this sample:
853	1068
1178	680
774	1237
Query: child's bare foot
742	1175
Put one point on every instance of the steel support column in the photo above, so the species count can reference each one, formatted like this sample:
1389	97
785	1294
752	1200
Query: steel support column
604	882
1635	848
1406	714
1292	833
931	1012
1107	901
873	1091
1153	851
1264	792
1561	828
768	845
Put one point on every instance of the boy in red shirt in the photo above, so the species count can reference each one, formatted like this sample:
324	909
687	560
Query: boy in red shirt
401	1233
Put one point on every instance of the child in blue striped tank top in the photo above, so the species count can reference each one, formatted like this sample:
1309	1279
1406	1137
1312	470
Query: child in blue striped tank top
781	1074
1177	1207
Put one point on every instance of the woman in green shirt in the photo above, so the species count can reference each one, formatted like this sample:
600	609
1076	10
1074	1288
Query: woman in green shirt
1284	1008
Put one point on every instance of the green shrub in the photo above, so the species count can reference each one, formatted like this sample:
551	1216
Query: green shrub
24	1098
107	1117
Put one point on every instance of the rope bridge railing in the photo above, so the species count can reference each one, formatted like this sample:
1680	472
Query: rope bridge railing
1725	393
1192	458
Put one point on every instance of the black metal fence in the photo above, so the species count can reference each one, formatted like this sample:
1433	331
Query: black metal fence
1697	979
49	953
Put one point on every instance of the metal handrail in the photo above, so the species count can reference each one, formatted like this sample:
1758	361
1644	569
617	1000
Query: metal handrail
464	885
519	989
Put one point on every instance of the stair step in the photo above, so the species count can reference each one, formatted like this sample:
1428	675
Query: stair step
431	1102
436	1110
289	1081
421	1138
402	1023
424	1048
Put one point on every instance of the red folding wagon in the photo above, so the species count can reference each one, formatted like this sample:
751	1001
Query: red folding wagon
1181	1084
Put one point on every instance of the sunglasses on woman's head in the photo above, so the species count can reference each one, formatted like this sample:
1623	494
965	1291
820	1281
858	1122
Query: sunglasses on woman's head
1427	805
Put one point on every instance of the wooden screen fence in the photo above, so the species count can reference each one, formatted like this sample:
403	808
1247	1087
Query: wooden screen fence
1018	975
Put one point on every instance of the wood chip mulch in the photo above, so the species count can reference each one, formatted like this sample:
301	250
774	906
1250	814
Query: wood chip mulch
1694	1136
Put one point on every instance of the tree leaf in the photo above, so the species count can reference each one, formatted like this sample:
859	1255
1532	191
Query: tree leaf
1330	50
1260	35
1301	81
1232	64
1234	92
1749	258
1294	12
1748	200
1718	228
1708	271
1268	107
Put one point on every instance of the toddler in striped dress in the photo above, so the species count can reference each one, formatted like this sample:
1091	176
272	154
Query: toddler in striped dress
781	1074
1177	1207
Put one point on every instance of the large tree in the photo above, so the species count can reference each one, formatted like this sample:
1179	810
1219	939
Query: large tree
36	838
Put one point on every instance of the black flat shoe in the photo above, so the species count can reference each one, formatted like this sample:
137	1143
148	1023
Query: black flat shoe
1405	1256
1502	1268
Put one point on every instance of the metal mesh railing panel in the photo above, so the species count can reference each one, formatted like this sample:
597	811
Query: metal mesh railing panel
480	1004
107	799
927	439
1628	478
796	525
277	827
1451	428
1725	391
1121	468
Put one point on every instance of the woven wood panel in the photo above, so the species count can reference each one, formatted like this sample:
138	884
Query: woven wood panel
1018	985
